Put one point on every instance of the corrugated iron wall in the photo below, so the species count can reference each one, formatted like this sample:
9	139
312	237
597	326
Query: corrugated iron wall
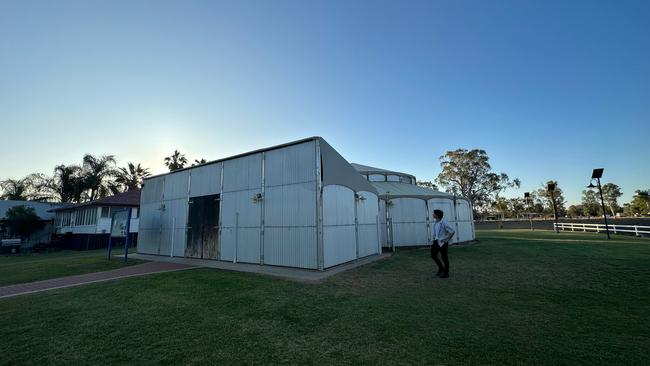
150	210
241	210
290	206
408	217
339	238
367	218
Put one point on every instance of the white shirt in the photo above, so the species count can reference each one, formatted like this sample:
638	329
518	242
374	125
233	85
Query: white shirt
442	231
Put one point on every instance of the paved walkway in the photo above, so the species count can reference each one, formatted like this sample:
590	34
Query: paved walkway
131	271
296	274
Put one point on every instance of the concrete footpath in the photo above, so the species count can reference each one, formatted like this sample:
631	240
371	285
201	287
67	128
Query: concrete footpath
296	274
70	281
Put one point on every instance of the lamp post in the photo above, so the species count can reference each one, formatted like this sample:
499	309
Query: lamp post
528	201
597	174
550	187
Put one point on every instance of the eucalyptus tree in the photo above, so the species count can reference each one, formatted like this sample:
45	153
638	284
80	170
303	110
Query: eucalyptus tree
468	173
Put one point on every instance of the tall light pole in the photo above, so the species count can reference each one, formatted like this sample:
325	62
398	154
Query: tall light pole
597	174
550	187
530	217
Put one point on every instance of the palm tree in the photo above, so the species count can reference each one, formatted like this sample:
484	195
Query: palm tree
97	173
199	162
15	189
67	183
131	176
175	161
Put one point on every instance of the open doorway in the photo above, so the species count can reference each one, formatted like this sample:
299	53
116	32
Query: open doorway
203	227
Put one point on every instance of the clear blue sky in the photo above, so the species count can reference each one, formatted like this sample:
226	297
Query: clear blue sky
551	89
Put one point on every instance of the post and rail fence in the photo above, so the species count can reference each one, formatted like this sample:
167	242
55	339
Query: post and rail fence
637	230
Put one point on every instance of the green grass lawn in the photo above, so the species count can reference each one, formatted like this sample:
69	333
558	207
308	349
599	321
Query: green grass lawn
43	266
514	298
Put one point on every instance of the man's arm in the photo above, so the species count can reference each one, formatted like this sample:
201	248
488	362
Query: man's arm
451	232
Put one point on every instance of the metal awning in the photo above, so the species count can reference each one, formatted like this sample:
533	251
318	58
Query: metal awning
389	190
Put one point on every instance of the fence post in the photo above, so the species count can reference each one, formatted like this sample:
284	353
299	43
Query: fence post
614	227
636	230
584	229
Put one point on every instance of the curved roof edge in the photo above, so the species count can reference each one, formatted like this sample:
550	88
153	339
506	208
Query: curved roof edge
365	169
390	190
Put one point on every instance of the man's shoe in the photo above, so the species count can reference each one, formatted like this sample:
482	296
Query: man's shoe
445	275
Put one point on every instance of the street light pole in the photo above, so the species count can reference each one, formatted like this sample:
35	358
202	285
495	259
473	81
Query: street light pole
597	174
550	187
602	203
530	216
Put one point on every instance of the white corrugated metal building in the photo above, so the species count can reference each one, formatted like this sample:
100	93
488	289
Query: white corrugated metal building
299	204
406	209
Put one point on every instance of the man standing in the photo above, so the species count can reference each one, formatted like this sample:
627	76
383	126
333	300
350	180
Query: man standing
442	233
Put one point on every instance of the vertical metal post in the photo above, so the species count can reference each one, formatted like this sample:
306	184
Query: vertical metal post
320	250
356	224
171	252
378	235
428	223
110	244
220	223
126	240
602	203
262	208
234	257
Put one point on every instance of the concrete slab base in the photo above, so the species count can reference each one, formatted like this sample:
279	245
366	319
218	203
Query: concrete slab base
296	274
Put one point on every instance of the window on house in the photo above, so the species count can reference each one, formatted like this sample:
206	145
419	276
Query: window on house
135	213
106	212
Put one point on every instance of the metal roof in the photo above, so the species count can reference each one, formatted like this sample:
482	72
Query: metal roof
365	169
129	199
41	208
389	190
296	142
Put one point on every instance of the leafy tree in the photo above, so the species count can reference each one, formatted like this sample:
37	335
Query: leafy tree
518	207
23	221
611	194
544	197
427	184
15	189
591	203
131	176
98	172
468	173
576	211
501	205
640	204
175	161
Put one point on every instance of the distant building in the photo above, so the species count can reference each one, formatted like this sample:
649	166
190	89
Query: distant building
42	210
88	225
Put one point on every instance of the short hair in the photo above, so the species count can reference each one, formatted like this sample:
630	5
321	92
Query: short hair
438	213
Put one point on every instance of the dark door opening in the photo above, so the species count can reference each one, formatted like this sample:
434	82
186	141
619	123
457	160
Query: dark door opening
203	227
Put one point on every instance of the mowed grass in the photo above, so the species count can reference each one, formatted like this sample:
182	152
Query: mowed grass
514	298
43	266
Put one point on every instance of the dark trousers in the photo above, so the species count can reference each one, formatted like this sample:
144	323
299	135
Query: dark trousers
435	249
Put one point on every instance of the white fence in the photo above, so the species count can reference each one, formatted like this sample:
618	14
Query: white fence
600	228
